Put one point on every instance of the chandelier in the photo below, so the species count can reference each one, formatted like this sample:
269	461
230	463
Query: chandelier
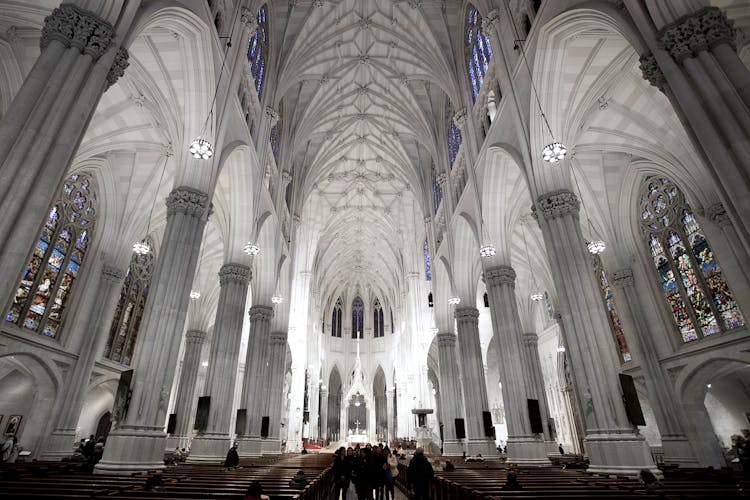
536	296
251	249
141	247
454	301
201	149
596	247
277	299
552	153
487	250
195	294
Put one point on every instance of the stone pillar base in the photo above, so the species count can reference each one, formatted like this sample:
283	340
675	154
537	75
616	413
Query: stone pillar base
484	446
133	449
527	450
677	451
618	452
270	447
178	442
551	448
209	448
249	446
453	448
60	444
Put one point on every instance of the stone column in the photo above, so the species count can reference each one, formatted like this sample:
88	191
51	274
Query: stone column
138	442
323	414
185	402
256	378
74	390
212	445
669	415
450	408
274	385
535	385
475	388
390	433
611	443
45	123
523	446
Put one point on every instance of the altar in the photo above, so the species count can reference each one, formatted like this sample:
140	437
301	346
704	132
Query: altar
357	436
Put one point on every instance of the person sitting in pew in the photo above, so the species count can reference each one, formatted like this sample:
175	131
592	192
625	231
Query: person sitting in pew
511	483
298	481
255	492
233	458
154	482
648	479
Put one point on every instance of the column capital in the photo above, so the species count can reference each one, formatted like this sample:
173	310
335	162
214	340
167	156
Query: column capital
446	339
121	62
260	313
466	314
651	71
718	215
272	115
559	203
75	27
249	20
427	219
188	201
235	273
530	338
460	119
324	393
195	336
696	32
412	275
490	20
442	179
500	275
112	273
277	338
622	278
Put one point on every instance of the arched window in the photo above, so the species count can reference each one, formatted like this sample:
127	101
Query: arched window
478	50
257	50
129	312
454	141
437	191
377	319
427	262
336	319
609	304
690	276
48	278
358	318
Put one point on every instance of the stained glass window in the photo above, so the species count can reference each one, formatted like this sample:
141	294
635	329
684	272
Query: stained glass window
276	141
377	319
336	319
609	303
427	262
437	191
358	318
692	280
257	50
478	50
129	312
48	278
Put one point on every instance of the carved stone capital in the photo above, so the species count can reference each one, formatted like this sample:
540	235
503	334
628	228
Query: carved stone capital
112	274
277	338
427	220
466	314
234	273
530	338
622	278
286	177
442	179
651	71
446	340
500	275
272	115
249	20
76	27
699	31
188	201
118	66
460	119
558	203
717	214
260	313
195	336
490	20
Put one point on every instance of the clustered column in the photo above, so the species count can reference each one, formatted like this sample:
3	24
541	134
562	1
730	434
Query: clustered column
274	385
138	444
324	414
535	384
256	379
611	442
450	395
223	364
94	339
475	388
523	446
185	400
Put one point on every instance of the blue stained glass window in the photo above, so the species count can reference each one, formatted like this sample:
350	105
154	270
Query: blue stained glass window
358	318
257	50
612	315
478	50
276	141
437	191
48	277
690	276
454	141
427	262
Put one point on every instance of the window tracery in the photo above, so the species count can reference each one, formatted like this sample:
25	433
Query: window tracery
336	319
478	50
427	262
377	319
358	318
257	50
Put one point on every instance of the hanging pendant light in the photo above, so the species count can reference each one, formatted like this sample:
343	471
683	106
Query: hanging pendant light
536	296
195	294
454	301
251	249
201	149
277	299
141	247
554	152
596	246
561	348
487	250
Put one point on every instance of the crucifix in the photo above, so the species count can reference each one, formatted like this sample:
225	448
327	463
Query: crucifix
356	422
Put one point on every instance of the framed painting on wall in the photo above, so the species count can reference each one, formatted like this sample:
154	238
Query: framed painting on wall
14	422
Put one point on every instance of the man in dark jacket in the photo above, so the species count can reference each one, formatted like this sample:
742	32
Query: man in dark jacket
419	475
